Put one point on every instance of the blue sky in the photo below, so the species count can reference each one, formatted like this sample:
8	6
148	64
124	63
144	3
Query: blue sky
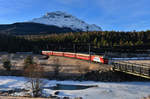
119	15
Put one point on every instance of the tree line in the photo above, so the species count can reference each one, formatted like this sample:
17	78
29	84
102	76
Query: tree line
104	40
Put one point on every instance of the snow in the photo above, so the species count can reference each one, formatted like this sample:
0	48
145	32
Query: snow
63	19
105	90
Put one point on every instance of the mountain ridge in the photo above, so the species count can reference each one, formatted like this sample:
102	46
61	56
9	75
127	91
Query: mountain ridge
63	19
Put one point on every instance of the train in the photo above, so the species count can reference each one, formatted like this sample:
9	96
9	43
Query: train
87	57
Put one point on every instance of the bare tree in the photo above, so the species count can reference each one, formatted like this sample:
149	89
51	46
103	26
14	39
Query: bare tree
34	73
56	67
82	68
79	67
7	64
28	61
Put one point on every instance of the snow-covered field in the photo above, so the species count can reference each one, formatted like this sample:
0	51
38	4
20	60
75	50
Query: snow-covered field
122	90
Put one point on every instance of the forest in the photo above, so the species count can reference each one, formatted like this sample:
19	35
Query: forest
99	42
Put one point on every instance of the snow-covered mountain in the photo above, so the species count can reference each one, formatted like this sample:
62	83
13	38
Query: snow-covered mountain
63	19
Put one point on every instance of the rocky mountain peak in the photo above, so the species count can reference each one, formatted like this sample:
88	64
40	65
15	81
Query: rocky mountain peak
63	19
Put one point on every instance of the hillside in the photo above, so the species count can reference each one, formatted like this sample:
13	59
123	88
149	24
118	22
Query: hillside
28	28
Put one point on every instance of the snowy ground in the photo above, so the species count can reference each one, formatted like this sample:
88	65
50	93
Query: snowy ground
123	90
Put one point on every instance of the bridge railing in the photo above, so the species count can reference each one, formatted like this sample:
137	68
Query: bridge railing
132	68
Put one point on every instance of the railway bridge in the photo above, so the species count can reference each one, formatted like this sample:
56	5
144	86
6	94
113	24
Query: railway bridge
142	70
